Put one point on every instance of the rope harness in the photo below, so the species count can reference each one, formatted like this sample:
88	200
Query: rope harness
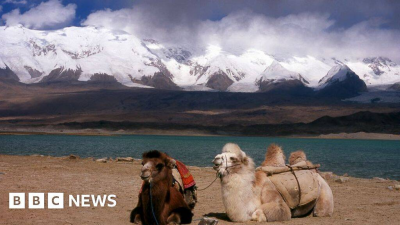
227	167
218	175
272	171
151	204
297	180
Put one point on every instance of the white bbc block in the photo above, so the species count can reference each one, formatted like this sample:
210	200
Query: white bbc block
36	200
55	200
16	200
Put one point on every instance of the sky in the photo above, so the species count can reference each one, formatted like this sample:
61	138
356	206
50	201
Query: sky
340	28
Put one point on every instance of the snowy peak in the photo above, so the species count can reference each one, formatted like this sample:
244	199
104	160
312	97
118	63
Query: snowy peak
87	49
215	62
376	71
338	73
277	78
342	82
277	73
231	72
179	54
379	64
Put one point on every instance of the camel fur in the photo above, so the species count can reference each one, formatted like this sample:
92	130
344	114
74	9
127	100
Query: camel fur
248	194
298	157
159	199
274	156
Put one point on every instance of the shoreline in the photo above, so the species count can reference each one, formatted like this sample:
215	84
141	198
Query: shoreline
358	201
108	159
88	132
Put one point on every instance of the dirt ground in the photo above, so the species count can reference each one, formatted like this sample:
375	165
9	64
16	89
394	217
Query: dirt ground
359	201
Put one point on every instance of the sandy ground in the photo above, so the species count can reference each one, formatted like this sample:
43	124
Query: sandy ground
359	201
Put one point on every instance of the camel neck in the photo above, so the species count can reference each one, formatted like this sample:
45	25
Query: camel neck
159	192
239	196
245	175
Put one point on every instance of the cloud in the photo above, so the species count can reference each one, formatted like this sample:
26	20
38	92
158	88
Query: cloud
47	15
16	2
306	33
341	28
1	8
120	19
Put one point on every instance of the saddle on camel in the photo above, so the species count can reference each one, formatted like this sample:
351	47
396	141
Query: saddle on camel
162	197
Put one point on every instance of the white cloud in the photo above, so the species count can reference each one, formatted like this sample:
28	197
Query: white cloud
119	19
17	2
296	34
47	15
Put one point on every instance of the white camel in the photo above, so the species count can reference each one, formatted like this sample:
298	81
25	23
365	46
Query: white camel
251	195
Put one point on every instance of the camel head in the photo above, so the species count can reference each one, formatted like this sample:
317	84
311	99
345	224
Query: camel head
232	160
156	166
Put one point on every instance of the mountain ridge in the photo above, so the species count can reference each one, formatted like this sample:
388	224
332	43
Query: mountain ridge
78	53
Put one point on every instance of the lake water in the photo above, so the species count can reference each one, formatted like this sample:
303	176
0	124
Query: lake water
359	158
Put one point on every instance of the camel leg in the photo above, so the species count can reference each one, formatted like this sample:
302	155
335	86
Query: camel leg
325	205
181	215
272	211
274	207
135	216
174	219
259	216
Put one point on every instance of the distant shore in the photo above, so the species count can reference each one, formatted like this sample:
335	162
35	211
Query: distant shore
102	132
357	201
359	135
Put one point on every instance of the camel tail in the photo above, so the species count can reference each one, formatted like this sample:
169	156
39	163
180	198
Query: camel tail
274	156
297	156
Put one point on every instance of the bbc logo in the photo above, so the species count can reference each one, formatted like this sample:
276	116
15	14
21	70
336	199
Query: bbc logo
36	200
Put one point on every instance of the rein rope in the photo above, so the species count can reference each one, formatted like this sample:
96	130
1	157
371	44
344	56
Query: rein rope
227	167
202	189
151	204
218	175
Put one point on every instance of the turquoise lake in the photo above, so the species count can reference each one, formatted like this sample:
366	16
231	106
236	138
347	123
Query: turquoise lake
359	158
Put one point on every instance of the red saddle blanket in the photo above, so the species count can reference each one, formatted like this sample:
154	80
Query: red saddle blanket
187	177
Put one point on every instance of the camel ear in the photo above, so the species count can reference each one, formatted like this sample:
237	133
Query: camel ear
170	162
245	160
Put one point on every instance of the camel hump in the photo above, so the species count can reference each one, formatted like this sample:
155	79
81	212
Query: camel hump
294	195
297	156
274	156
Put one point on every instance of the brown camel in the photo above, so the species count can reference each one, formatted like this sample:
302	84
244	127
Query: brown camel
159	202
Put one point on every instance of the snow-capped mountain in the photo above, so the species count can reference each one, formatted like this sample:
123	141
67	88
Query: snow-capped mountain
276	73
89	53
376	71
81	52
276	76
338	73
341	81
